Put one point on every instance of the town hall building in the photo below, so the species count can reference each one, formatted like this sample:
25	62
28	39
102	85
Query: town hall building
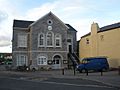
44	43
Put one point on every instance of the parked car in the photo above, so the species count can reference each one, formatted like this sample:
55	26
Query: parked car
94	63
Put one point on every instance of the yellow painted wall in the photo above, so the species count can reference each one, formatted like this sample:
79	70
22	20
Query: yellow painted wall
84	48
105	43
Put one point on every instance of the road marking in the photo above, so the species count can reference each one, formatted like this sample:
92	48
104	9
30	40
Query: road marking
78	85
68	84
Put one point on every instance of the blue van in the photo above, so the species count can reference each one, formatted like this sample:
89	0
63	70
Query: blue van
94	63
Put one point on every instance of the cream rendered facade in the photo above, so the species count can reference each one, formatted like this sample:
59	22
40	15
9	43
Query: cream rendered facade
102	42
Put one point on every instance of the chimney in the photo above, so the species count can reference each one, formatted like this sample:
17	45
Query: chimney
94	28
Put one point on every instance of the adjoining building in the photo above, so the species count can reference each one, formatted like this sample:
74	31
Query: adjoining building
103	41
44	43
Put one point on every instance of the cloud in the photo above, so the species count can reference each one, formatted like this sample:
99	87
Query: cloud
3	16
4	41
63	8
38	12
7	13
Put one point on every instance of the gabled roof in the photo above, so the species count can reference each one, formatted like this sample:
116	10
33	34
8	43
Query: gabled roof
109	27
105	28
22	23
50	13
70	27
26	24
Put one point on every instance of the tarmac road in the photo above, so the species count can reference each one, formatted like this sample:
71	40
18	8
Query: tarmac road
51	80
7	83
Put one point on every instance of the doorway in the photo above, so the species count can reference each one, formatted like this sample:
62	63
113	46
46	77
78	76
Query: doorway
56	62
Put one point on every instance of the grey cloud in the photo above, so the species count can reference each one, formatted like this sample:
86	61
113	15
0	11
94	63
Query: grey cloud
4	41
3	16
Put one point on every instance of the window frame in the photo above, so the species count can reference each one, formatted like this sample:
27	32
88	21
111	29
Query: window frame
20	61
58	38
39	40
22	40
42	59
52	39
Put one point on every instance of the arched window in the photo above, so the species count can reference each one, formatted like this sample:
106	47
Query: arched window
41	40
42	60
50	39
58	40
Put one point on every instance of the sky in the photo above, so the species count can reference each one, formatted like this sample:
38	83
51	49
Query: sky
78	13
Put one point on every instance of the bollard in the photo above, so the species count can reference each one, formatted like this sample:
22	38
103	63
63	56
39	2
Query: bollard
86	72
118	70
62	71
74	69
101	72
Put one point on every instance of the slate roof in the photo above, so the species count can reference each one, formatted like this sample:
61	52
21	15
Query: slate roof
105	28
22	23
25	24
70	27
109	27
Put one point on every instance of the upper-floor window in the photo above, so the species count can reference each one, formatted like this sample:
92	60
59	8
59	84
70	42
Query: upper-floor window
50	39
58	40
22	40
41	40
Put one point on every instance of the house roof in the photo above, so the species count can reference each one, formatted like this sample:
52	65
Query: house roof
49	14
25	24
109	27
22	23
105	28
70	28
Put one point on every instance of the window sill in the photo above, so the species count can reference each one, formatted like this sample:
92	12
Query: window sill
58	46
42	64
50	46
23	47
41	46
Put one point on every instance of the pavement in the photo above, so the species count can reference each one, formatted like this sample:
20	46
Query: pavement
111	78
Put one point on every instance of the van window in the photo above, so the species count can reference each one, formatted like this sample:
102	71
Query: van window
85	61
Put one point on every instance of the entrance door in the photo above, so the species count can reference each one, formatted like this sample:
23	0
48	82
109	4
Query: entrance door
70	48
56	62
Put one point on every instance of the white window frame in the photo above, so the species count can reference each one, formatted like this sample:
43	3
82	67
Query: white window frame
58	38
22	40
21	60
42	60
51	40
39	40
